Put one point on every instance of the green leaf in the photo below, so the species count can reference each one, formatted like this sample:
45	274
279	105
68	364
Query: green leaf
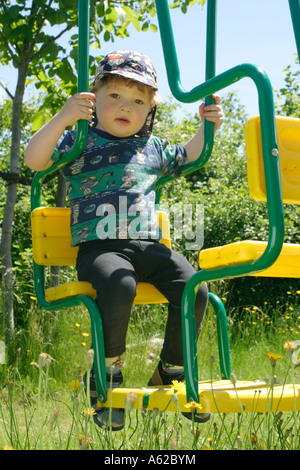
136	24
37	121
153	28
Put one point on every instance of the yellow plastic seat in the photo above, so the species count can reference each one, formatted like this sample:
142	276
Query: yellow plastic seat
288	262
51	242
286	265
288	136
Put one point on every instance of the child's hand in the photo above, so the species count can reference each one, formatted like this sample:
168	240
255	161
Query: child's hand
213	113
78	106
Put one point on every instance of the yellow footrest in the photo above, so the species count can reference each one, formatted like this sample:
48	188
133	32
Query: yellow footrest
214	397
287	264
145	293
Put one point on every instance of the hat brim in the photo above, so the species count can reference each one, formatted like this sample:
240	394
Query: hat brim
135	76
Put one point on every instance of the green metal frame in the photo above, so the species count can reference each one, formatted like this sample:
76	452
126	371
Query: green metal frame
272	174
295	16
211	85
39	271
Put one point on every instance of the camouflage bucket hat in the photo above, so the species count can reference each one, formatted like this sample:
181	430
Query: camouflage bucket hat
129	64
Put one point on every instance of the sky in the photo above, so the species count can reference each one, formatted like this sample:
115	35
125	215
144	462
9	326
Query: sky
253	31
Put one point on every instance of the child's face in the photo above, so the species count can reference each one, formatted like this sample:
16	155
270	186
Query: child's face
121	109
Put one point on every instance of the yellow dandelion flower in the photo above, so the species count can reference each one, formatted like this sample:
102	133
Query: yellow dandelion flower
210	439
83	343
289	346
193	406
86	335
297	291
89	412
74	384
178	386
288	292
207	448
77	325
273	358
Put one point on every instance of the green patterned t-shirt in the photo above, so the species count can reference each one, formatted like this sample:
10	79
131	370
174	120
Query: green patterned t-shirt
111	185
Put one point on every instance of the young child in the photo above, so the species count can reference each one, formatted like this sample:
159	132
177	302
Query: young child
111	182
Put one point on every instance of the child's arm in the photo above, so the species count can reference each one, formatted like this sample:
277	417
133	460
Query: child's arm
212	113
41	146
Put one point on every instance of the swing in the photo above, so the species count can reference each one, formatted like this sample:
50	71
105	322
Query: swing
51	244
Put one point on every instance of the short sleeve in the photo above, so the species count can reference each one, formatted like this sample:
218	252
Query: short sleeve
64	145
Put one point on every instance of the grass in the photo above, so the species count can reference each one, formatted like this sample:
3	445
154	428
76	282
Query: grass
41	409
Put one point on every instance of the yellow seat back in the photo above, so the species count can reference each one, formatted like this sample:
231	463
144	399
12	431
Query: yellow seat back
51	236
288	135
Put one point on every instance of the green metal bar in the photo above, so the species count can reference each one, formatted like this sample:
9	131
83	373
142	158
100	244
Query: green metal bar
96	324
273	186
82	85
168	45
222	330
276	222
295	15
80	142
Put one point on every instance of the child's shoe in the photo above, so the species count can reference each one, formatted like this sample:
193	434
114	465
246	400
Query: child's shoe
103	417
164	376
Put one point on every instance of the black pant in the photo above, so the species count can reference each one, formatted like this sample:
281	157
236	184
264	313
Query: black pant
114	267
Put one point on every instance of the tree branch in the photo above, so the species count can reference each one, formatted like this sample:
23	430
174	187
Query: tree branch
7	91
44	48
16	178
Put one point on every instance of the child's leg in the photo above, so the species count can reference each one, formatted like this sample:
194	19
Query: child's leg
170	275
114	279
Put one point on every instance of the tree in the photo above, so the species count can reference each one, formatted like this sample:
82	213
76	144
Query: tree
31	42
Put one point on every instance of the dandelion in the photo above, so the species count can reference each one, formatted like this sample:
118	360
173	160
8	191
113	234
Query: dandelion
86	335
44	359
174	443
54	416
289	346
89	412
273	358
130	400
77	325
239	441
84	443
178	386
74	384
233	378
89	358
193	407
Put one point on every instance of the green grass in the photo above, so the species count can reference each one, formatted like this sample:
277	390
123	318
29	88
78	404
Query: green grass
40	410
